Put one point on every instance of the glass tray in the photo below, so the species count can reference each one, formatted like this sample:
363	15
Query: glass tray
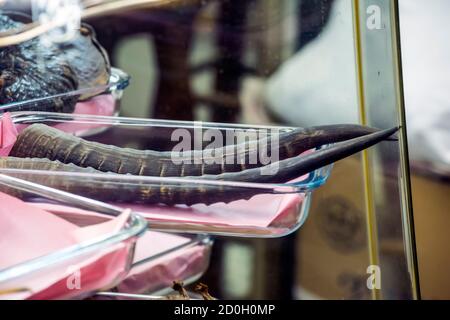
192	258
159	259
119	245
278	210
105	102
105	99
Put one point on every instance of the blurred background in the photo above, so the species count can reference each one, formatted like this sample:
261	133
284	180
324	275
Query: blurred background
293	62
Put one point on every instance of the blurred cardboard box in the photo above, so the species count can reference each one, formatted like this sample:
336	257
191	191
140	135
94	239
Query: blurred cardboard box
332	254
431	205
332	249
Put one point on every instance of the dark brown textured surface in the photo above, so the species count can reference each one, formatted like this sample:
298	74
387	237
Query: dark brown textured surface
41	141
119	191
32	70
166	192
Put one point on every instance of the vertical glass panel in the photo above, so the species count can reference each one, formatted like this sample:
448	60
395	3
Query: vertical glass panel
386	166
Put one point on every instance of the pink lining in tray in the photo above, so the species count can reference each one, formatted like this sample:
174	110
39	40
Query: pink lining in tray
148	276
36	232
29	232
102	105
161	272
259	211
8	136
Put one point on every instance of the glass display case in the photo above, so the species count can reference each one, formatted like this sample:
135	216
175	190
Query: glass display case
259	63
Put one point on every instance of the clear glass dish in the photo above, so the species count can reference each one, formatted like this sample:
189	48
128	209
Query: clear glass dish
105	102
159	258
118	246
277	209
103	99
154	273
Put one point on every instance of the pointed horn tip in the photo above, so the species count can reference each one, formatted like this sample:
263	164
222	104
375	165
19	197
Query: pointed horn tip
374	130
392	130
386	132
369	129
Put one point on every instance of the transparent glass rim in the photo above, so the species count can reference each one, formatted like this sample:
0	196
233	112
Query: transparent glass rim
198	239
118	81
136	226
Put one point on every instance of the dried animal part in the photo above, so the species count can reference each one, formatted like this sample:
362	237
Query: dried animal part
182	293
32	70
203	290
29	71
88	59
41	141
183	193
123	192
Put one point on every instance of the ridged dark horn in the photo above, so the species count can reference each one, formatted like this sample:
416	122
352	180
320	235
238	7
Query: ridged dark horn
291	168
41	141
